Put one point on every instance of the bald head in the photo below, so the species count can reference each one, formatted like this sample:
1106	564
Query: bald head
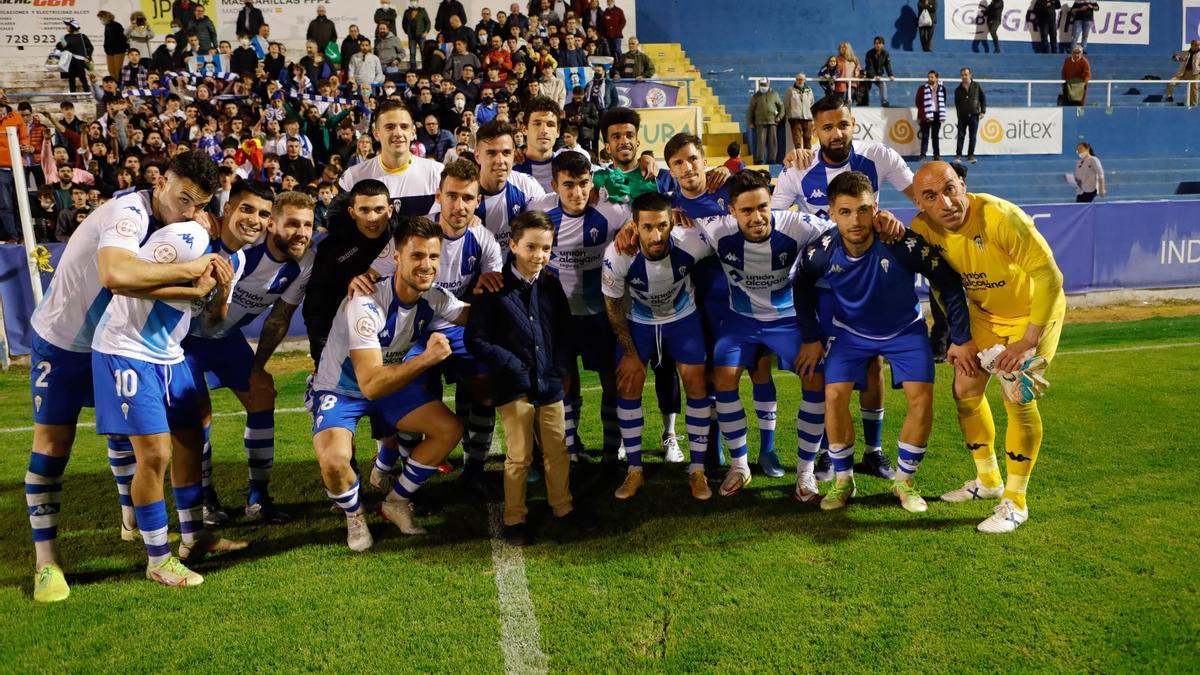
941	195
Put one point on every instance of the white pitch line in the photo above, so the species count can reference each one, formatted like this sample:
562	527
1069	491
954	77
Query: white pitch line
519	637
450	399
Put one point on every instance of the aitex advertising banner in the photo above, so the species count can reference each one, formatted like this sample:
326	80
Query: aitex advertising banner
1116	23
1002	131
660	124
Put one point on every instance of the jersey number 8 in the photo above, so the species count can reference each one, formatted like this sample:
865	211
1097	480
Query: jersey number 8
126	383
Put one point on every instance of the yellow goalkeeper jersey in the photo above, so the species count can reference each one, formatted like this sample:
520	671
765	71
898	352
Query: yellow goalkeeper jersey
1007	268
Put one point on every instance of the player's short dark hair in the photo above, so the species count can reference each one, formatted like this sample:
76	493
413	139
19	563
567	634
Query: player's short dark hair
368	188
733	149
493	130
542	104
614	116
197	167
462	169
849	184
571	163
746	181
680	141
530	220
650	202
257	188
387	106
830	103
415	227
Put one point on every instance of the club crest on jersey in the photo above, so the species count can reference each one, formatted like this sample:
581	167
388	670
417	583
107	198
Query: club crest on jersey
516	209
165	253
885	263
125	410
978	242
720	205
125	227
366	327
783	258
418	326
595	234
471	262
683	270
37	403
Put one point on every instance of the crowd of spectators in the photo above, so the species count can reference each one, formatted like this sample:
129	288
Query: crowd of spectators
294	120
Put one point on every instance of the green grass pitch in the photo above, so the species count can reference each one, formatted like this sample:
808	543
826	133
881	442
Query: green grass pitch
1104	576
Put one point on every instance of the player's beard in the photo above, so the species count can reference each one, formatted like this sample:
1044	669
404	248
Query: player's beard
284	245
837	155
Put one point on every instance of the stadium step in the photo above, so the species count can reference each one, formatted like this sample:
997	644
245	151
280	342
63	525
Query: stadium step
720	129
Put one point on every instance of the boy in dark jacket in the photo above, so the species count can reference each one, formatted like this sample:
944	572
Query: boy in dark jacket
518	332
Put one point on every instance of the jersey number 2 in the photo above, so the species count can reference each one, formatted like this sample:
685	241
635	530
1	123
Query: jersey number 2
126	383
44	366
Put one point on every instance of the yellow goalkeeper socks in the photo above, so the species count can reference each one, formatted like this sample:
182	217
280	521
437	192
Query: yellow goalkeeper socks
1022	440
979	433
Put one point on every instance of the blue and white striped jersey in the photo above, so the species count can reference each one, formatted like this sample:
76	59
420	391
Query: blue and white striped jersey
262	281
578	253
152	330
464	258
660	291
413	189
809	189
75	301
378	321
496	210
760	273
540	171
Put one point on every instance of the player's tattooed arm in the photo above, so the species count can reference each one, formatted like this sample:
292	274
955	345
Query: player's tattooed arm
631	372
273	332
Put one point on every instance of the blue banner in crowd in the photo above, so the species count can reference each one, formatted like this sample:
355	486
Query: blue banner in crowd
648	94
1104	246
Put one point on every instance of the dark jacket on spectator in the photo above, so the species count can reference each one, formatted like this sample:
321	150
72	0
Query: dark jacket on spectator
520	332
322	31
447	9
879	63
249	20
163	60
415	22
970	101
115	41
386	15
243	60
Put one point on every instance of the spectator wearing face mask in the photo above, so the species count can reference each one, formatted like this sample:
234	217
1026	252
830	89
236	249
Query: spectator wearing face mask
765	114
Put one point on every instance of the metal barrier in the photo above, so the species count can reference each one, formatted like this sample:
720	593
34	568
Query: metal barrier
1028	84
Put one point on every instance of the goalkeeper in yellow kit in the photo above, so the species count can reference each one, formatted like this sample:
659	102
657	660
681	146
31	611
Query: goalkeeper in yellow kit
1016	300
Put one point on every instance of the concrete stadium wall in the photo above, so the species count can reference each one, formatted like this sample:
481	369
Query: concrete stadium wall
770	25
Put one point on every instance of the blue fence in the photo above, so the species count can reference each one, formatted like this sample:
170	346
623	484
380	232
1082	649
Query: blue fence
1102	246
